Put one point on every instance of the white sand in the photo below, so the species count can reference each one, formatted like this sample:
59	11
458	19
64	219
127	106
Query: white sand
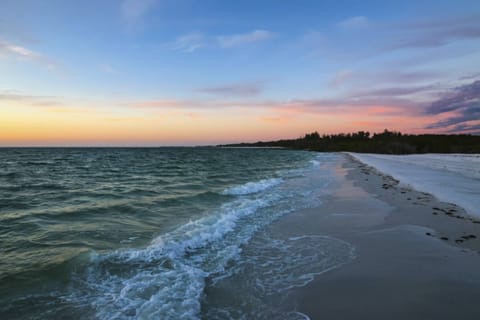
451	178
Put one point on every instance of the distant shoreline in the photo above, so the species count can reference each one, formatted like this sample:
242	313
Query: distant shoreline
249	147
386	142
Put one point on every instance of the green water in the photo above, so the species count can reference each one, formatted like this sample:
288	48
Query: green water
134	233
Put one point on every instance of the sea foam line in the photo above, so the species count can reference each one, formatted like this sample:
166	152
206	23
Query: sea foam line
252	187
167	278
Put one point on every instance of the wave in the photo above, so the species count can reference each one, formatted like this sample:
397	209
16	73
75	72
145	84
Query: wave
167	278
252	187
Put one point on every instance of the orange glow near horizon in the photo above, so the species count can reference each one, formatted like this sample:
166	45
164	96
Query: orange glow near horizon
24	125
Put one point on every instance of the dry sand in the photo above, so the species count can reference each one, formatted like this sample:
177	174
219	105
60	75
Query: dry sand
417	257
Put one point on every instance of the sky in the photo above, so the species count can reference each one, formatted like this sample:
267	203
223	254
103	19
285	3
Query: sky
186	72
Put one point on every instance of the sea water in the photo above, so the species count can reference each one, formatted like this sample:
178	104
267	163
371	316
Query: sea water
158	233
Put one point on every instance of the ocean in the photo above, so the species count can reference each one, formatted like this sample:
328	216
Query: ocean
158	233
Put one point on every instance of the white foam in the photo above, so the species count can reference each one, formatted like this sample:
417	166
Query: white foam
281	265
299	315
269	268
167	277
252	187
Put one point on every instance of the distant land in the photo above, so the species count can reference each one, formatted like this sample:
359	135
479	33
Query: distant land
387	142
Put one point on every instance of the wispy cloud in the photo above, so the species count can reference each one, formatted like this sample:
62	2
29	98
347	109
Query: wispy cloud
341	104
472	76
134	10
194	41
13	96
466	128
340	78
463	102
435	32
188	43
33	100
157	104
385	82
457	99
358	22
383	38
237	90
9	49
274	119
238	40
394	91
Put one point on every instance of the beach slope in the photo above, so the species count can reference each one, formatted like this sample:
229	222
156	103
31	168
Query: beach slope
416	256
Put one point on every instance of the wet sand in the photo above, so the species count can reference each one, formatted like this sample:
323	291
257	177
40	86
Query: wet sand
416	257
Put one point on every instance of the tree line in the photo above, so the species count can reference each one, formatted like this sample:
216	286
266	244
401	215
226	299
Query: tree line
388	142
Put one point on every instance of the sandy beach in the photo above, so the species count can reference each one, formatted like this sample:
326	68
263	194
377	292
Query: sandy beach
416	257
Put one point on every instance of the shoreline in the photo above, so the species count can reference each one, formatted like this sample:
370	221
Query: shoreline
449	220
416	257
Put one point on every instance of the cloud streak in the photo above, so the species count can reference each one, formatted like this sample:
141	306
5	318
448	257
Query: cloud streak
32	100
158	104
15	96
394	91
463	102
188	43
353	23
470	128
383	38
435	33
236	90
459	98
193	41
9	49
239	40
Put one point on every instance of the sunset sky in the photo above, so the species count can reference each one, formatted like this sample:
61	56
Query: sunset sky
185	72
